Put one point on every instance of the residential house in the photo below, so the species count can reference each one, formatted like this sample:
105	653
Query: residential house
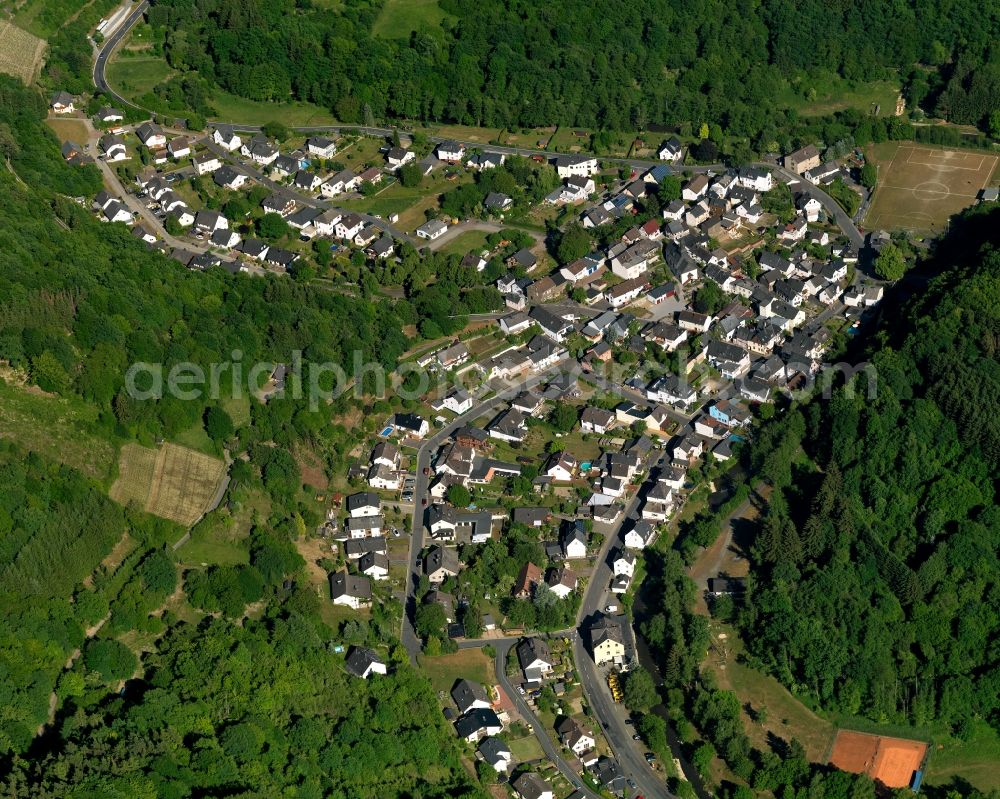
225	136
206	163
625	292
624	563
695	188
561	581
642	533
583	269
631	262
363	662
531	517
486	160
451	152
367	235
496	752
179	147
410	424
229	178
350	590
609	775
431	230
552	326
607	641
809	206
515	323
672	390
383	248
306	181
665	335
478	723
574	737
671	151
260	151
596	420
560	467
575	166
363	504
534	658
398	156
357	548
458	401
528	577
62	103
509	425
277	204
343	181
803	159
755	178
495	202
440	564
321	146
349	226
374	566
366	526
693	322
531	786
470	695
151	135
573	538
732	361
824	174
210	221
113	148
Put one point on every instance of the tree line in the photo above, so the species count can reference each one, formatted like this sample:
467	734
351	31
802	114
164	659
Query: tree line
575	63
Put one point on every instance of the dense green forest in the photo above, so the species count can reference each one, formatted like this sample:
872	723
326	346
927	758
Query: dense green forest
874	581
55	527
575	62
120	676
877	558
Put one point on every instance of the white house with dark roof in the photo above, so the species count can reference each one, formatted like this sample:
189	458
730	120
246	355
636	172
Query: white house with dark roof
363	662
450	151
225	136
350	590
576	166
433	229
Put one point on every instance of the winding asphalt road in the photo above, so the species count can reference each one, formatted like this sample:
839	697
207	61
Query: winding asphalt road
551	751
420	490
843	220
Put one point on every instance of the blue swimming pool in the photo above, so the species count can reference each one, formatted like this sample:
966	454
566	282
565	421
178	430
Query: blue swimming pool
386	431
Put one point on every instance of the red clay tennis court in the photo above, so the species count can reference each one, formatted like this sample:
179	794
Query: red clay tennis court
891	761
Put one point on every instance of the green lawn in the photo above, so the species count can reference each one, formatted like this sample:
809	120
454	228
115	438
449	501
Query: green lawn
526	749
469	241
134	76
56	428
817	96
214	548
399	18
445	670
196	438
239	110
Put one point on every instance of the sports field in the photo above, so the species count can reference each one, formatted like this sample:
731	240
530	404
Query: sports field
919	187
20	52
173	482
891	761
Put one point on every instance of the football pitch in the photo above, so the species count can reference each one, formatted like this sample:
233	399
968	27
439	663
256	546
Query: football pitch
919	187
